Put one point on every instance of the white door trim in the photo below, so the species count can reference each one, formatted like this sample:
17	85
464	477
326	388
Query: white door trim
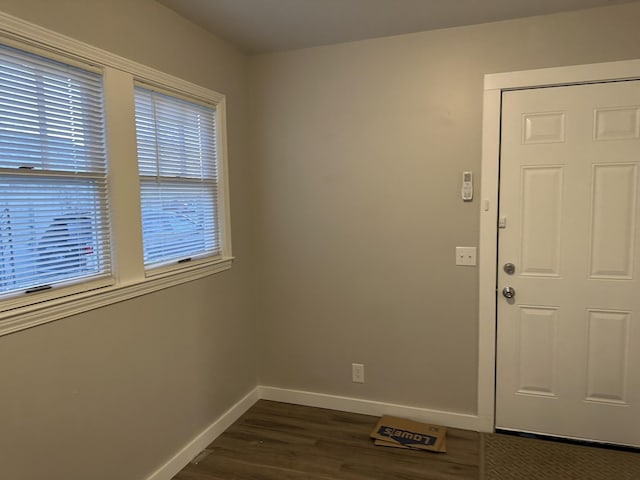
494	85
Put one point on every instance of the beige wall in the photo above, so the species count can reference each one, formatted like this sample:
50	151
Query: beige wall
360	149
114	393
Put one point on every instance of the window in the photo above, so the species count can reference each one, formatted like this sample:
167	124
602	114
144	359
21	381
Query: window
53	205
113	178
178	178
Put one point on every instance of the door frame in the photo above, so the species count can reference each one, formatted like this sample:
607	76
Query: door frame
494	85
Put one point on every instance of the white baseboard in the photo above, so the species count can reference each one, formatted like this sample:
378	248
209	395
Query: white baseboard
311	399
200	442
370	407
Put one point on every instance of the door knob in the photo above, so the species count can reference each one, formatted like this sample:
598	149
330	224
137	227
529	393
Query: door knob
508	292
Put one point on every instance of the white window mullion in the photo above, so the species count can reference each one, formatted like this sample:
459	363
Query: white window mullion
123	176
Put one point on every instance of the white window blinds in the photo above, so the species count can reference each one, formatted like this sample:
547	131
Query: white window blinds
53	196
178	178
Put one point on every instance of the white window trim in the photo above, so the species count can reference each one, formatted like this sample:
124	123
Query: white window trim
129	277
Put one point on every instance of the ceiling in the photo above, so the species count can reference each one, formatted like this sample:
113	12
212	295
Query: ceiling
260	26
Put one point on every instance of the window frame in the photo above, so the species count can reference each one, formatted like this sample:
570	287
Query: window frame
155	268
85	75
129	278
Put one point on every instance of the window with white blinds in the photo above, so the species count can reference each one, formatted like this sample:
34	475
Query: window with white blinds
178	169
82	224
53	185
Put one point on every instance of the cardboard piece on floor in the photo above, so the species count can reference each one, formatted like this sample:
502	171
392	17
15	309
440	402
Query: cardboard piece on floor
403	433
382	443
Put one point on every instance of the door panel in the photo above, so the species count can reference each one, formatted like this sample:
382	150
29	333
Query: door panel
568	343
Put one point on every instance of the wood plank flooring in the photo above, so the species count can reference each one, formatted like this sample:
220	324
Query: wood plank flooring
291	442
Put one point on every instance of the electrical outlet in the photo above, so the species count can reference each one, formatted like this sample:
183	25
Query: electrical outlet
466	256
357	372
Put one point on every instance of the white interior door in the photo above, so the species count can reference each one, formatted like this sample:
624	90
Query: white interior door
568	342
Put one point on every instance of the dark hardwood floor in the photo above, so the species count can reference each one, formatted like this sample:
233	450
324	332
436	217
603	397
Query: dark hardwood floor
292	442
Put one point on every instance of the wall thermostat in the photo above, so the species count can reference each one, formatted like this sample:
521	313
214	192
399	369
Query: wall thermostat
467	186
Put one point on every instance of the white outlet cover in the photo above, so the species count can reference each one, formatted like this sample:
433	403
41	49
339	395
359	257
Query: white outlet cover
466	256
357	372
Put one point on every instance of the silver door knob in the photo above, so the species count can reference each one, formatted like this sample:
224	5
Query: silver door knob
508	292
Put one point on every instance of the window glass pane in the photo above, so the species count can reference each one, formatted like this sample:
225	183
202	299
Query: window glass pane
49	231
176	138
50	115
177	221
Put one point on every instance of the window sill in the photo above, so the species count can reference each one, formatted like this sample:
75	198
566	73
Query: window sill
36	314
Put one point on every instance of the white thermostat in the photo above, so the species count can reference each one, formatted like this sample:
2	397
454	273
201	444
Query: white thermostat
467	186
